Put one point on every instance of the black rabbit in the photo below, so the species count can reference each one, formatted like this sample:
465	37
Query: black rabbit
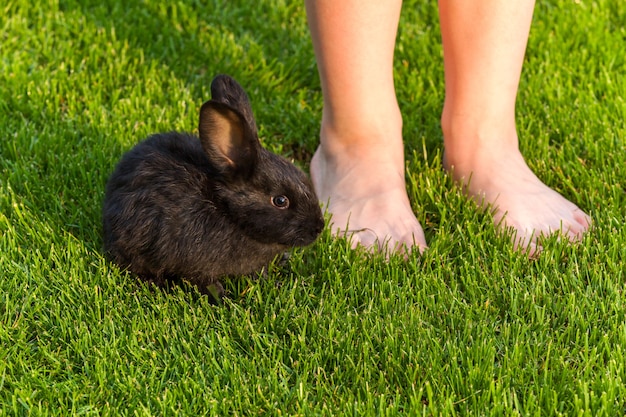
179	207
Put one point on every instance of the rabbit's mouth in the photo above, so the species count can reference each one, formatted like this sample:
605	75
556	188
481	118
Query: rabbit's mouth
303	241
306	237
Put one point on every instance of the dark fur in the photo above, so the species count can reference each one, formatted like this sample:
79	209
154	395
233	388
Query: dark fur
179	207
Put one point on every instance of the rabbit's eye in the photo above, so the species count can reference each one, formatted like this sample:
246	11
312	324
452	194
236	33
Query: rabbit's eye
280	201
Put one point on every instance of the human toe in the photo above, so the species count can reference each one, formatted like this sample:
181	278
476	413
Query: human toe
582	219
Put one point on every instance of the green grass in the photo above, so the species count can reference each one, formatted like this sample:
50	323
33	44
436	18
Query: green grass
470	328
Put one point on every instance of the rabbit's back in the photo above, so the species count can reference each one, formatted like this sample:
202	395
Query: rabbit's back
166	173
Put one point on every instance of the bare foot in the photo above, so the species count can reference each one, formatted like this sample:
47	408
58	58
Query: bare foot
364	190
497	177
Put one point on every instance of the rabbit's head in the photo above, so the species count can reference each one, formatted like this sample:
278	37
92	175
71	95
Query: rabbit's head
268	197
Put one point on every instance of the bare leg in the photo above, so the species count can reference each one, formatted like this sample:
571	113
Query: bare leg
358	169
484	43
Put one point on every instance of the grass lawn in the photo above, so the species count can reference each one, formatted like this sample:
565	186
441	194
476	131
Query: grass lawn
469	328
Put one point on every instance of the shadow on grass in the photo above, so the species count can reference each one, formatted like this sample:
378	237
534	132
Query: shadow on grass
197	40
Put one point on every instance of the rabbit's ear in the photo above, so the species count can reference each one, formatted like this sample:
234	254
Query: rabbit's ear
227	139
225	89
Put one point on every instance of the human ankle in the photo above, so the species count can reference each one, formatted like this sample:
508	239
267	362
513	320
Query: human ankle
468	144
360	134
